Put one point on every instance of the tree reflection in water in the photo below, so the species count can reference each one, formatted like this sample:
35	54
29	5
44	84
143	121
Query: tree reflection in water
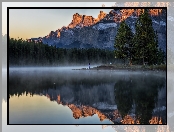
138	94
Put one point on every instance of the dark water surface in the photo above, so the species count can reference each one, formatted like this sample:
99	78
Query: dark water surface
64	96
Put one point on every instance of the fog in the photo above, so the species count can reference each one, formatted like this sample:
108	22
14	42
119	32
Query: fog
58	68
76	73
69	73
59	76
75	67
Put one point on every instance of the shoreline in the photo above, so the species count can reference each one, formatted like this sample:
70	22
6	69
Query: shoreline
128	68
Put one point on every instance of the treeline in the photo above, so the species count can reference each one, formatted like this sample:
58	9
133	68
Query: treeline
140	47
22	52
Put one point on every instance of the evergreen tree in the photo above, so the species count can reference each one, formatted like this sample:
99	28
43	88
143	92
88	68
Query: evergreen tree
161	57
145	40
123	42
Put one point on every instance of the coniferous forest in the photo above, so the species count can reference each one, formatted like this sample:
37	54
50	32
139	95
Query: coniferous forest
22	52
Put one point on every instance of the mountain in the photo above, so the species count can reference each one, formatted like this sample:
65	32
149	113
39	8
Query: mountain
87	32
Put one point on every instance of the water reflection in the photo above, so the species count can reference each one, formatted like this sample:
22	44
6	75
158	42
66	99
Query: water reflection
139	96
119	98
123	96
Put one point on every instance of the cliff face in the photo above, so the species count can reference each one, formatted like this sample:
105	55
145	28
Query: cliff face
86	31
83	20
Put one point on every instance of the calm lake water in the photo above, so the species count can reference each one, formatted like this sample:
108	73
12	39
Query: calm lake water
64	96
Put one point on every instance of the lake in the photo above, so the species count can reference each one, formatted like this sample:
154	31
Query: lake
60	95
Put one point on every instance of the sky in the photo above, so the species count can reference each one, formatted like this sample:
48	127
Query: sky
31	23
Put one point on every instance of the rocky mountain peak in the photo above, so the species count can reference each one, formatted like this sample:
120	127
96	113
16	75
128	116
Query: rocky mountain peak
101	16
84	20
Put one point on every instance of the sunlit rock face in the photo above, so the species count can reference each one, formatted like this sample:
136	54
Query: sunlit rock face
84	111
83	20
87	32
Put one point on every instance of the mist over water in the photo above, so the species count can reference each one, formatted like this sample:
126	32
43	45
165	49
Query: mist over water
54	68
78	96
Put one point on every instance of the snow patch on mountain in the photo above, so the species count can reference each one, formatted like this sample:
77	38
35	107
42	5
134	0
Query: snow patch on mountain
69	31
102	26
162	23
77	26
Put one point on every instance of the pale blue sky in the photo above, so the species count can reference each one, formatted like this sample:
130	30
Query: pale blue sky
35	23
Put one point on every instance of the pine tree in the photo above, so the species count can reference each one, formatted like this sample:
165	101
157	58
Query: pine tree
161	57
145	40
123	42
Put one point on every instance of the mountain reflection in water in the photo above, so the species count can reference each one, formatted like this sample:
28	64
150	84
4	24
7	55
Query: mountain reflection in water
121	97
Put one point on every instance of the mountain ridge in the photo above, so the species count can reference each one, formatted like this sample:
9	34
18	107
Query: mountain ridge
89	32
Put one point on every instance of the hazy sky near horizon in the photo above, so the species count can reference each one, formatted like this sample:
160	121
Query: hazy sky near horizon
38	23
31	23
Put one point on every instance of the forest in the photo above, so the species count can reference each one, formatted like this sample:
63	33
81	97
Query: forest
24	53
